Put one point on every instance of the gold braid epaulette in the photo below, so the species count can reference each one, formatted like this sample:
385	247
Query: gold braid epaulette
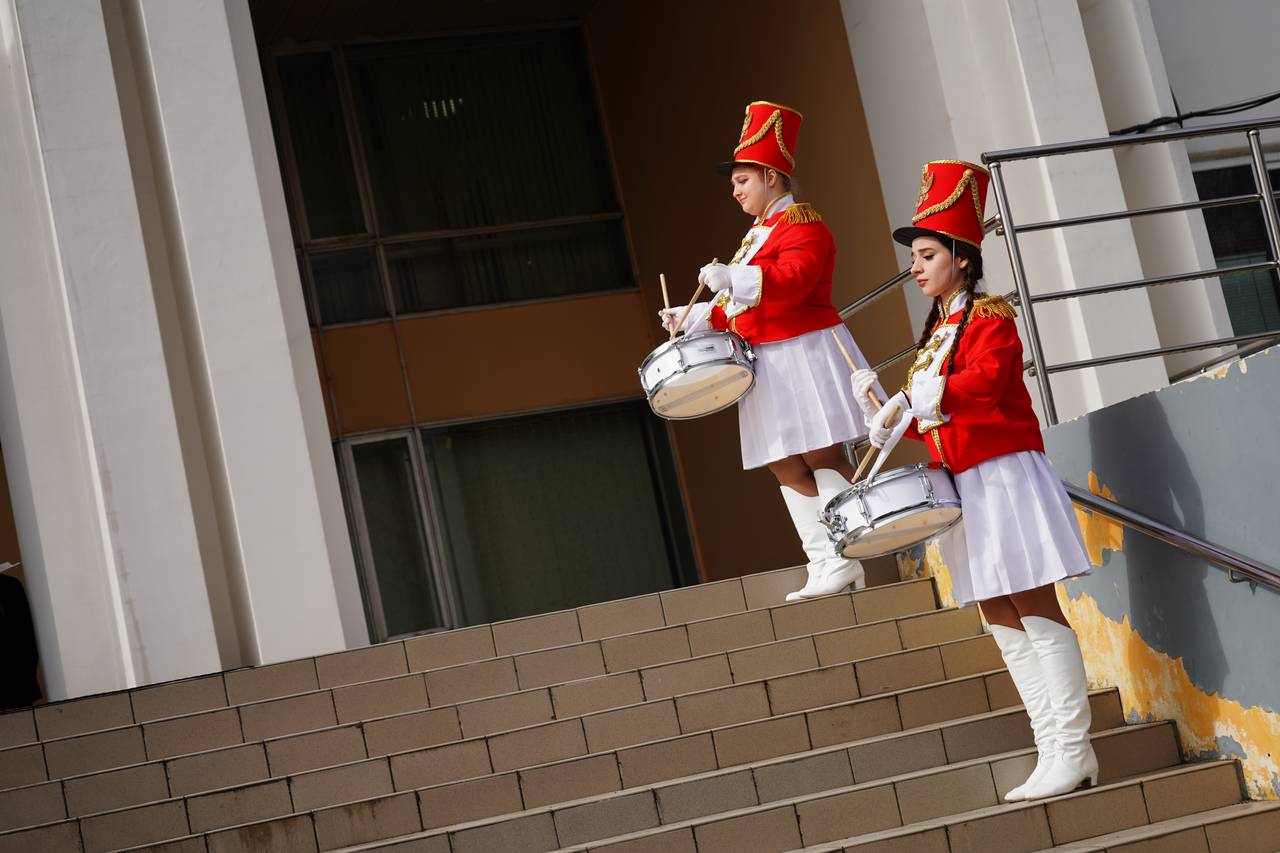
803	212
992	306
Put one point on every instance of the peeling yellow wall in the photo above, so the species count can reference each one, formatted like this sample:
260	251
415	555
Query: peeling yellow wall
1152	685
929	565
1100	534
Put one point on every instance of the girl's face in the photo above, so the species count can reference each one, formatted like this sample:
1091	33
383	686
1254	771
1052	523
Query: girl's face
754	187
937	271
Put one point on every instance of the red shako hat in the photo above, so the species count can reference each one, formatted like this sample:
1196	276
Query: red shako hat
953	194
768	138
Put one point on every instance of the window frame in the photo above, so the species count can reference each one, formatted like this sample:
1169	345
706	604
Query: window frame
305	246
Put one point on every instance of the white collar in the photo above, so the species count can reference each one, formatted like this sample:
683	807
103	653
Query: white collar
779	203
954	303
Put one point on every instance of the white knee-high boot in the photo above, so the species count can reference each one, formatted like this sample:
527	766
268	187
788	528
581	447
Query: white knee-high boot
1024	668
1074	763
813	537
839	571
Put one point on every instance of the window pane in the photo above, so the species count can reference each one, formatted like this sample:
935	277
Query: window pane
320	145
1238	236
550	512
466	132
389	495
509	266
347	287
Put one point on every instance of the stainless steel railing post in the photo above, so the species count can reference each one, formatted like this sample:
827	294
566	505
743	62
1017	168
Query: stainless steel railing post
1266	193
1024	294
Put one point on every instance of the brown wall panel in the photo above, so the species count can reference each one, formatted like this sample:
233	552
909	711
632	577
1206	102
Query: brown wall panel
495	361
361	366
673	96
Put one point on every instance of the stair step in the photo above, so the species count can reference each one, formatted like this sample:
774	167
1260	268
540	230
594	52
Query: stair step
188	772
1026	827
576	737
1251	827
682	804
463	645
647	764
388	683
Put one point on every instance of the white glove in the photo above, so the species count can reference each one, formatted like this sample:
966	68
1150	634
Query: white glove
699	317
883	421
716	277
862	382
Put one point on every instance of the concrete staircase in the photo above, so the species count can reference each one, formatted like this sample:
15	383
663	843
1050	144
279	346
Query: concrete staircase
711	719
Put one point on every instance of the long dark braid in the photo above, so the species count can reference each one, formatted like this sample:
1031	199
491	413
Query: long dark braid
972	275
934	310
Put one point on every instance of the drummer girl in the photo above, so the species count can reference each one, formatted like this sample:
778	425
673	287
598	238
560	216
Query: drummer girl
776	293
973	412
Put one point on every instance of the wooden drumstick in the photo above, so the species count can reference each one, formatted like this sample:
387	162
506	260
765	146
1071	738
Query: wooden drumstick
666	300
684	316
862	466
871	392
871	395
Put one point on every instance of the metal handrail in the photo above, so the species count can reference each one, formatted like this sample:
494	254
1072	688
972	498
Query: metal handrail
1242	352
1265	196
1239	567
1105	142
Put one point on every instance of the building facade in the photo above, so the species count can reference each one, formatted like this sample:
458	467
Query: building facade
320	326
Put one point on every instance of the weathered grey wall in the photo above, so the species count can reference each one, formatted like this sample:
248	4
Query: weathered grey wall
1178	639
1203	455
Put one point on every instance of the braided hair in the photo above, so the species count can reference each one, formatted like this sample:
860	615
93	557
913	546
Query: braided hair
972	275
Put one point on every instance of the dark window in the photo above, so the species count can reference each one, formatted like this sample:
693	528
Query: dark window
319	139
1238	236
466	133
347	286
486	167
548	512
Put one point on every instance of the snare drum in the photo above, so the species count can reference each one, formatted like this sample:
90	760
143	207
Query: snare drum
697	374
895	510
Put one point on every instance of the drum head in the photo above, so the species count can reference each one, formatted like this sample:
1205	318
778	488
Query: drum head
897	533
701	391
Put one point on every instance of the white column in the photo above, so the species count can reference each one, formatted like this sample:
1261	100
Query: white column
1134	87
86	416
941	78
284	536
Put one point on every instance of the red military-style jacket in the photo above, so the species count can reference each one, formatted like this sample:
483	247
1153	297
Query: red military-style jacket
987	401
786	283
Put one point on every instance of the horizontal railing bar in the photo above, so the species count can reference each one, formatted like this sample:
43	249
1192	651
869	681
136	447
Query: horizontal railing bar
1242	352
1154	353
897	357
1104	142
883	290
1153	281
1226	201
1180	539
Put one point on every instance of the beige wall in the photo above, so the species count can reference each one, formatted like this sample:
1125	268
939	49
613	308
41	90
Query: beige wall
673	98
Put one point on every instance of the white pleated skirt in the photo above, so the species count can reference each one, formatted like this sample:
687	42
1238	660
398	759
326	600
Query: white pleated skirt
1018	532
802	400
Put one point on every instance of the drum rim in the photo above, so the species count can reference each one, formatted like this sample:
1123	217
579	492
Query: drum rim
650	395
676	341
845	540
885	477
